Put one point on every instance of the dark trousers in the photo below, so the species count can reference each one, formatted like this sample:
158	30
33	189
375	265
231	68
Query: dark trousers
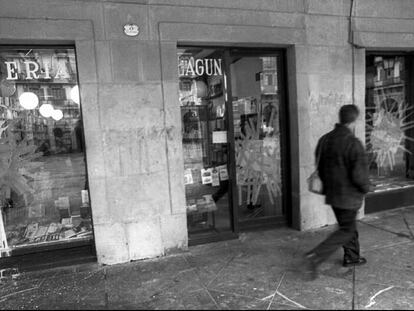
224	187
346	236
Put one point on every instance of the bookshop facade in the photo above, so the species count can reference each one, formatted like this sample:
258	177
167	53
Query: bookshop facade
137	128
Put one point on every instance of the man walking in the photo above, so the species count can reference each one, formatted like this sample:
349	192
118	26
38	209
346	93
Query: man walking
343	169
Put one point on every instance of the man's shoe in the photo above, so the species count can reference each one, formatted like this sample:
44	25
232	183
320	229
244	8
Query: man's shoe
354	262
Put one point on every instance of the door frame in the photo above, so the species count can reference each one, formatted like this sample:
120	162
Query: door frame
270	221
237	225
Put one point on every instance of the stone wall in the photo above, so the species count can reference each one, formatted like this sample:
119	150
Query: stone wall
129	93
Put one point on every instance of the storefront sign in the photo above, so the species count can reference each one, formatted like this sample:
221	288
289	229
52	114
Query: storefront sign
29	70
202	66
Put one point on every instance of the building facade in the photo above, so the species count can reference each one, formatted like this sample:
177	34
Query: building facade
187	121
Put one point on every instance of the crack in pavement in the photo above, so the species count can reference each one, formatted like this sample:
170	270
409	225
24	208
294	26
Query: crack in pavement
106	295
225	266
274	294
4	298
272	297
353	288
408	225
203	285
388	245
372	301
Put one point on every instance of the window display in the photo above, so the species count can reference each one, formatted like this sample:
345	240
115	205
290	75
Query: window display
43	183
389	122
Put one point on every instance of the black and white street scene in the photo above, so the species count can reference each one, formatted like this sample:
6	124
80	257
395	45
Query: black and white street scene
207	154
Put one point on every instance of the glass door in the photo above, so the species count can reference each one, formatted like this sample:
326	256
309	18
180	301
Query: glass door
258	127
389	130
233	129
202	96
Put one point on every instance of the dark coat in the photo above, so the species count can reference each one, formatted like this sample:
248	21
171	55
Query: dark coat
343	168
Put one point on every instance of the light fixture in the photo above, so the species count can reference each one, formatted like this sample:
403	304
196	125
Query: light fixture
74	94
46	110
28	100
57	114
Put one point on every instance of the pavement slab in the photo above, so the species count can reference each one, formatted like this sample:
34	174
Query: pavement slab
399	255
232	301
10	288
198	300
386	274
394	222
281	306
66	291
260	270
253	279
326	292
160	289
209	267
372	237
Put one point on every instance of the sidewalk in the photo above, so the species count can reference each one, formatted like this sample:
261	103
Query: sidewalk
260	270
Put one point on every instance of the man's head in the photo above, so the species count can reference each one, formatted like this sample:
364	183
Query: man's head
348	114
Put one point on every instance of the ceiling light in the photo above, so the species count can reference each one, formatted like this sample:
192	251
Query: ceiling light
57	114
28	100
46	110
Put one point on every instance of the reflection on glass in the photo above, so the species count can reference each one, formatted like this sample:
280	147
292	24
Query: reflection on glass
257	132
204	131
389	123
43	186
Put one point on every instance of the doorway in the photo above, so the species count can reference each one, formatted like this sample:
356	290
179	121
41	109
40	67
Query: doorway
234	127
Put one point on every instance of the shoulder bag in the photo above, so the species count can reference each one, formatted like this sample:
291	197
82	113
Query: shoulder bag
315	184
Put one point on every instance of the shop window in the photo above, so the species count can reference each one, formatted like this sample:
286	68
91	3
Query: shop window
43	183
389	122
